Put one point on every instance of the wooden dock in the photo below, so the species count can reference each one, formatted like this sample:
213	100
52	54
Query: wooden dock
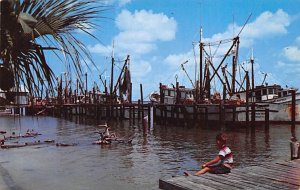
280	175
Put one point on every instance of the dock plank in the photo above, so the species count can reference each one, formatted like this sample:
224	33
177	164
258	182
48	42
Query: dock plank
277	175
260	182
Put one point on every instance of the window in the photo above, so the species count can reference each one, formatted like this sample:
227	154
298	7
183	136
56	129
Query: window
264	91
284	93
271	91
172	93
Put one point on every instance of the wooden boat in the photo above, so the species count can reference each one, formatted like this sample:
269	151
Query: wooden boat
12	145
27	144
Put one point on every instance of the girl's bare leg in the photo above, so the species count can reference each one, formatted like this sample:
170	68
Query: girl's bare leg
204	170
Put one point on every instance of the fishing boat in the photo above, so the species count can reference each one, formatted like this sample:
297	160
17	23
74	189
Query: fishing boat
274	98
237	98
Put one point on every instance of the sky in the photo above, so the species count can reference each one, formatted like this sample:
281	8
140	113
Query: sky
160	35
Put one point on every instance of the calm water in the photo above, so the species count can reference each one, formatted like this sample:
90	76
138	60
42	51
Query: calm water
162	152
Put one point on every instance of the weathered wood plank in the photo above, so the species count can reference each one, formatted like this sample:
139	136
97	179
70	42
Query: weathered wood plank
180	183
259	181
237	180
275	175
209	183
281	175
262	178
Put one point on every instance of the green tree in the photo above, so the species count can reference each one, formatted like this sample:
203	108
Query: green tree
29	28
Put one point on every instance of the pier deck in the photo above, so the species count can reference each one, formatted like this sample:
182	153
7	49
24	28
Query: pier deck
280	175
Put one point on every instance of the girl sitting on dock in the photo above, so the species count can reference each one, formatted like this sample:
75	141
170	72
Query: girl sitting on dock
222	163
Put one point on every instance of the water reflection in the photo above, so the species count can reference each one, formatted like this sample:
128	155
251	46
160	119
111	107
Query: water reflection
163	151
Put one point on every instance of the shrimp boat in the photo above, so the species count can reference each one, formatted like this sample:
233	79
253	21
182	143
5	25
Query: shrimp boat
273	97
236	100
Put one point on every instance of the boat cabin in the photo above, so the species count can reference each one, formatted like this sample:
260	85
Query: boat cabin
266	92
185	95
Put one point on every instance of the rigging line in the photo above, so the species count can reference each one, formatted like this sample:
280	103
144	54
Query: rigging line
217	49
224	41
245	24
240	72
210	55
195	63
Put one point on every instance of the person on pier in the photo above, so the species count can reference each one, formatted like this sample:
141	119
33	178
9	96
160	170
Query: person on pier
222	163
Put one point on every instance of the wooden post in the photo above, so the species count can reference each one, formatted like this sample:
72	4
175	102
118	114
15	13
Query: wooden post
139	110
195	113
253	114
130	115
224	92
130	94
149	116
86	88
122	111
177	114
117	111
247	98
173	107
233	113
206	116
154	113
220	114
267	119
161	93
165	114
142	100
177	93
133	113
141	91
293	109
294	148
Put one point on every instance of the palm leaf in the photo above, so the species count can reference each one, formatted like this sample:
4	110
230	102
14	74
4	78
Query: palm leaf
31	27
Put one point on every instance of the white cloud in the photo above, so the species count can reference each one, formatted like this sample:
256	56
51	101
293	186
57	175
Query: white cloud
139	31
267	24
298	40
139	68
124	2
292	53
119	2
177	59
101	49
288	69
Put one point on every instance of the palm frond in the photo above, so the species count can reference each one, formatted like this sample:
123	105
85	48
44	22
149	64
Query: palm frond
25	23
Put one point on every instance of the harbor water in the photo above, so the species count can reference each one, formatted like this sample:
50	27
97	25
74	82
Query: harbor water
162	151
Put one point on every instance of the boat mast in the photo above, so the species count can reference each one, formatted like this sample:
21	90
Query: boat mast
252	69
201	66
112	74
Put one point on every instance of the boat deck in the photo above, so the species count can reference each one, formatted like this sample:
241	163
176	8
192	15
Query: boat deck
280	175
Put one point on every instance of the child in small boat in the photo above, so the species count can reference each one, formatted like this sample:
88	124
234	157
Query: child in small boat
222	163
